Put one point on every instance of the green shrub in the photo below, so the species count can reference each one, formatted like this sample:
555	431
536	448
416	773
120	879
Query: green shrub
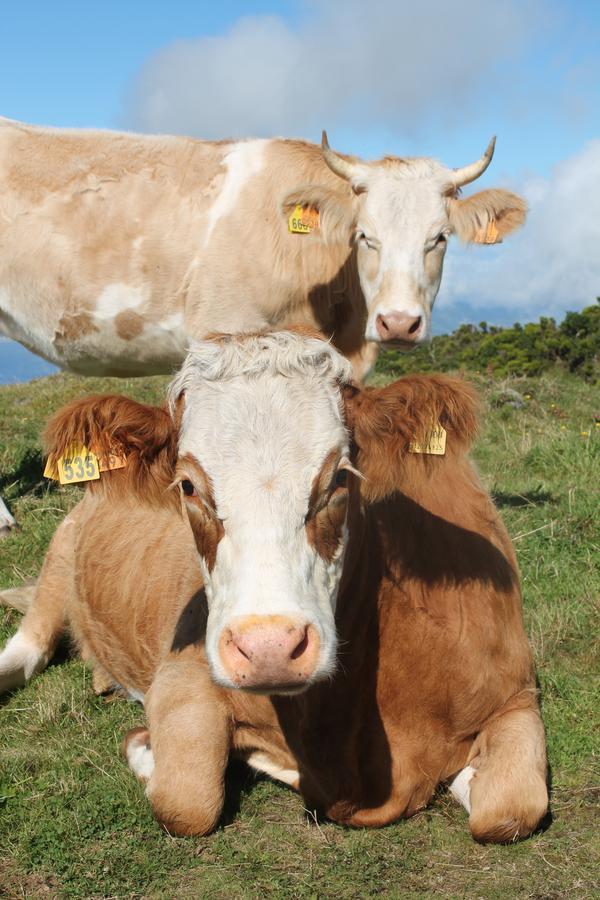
524	350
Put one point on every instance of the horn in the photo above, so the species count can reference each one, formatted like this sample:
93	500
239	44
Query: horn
469	173
337	164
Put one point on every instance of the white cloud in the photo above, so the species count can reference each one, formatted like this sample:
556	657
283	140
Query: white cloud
552	265
388	61
408	67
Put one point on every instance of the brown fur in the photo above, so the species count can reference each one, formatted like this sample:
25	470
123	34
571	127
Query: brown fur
327	507
108	423
207	528
129	324
435	671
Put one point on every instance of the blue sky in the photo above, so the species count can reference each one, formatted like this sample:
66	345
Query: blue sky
388	76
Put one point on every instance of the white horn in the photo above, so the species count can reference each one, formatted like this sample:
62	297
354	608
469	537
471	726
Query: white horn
337	164
469	173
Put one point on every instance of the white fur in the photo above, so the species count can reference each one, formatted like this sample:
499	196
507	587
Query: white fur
242	162
140	758
19	661
274	404
403	209
460	787
116	298
7	522
135	695
262	763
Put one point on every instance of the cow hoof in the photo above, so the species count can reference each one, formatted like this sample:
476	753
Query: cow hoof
8	524
7	530
138	753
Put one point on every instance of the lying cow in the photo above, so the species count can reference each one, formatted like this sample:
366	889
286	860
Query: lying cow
358	637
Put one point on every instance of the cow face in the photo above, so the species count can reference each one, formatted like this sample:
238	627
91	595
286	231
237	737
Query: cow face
403	214
263	462
402	229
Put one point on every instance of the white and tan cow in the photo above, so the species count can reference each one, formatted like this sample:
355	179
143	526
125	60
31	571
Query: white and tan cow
360	639
117	249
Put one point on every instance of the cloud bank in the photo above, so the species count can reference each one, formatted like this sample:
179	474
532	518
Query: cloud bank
409	68
400	63
552	265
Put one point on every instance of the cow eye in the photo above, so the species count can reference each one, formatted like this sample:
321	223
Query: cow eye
341	478
366	241
188	488
441	240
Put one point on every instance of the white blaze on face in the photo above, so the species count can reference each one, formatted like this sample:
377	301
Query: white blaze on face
261	416
402	227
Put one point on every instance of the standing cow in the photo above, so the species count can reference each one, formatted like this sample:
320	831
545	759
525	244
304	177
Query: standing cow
116	249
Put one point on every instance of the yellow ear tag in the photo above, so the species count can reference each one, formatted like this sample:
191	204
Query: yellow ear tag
111	461
303	220
436	445
488	235
79	465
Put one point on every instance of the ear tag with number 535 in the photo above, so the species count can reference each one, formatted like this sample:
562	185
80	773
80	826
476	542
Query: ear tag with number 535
80	464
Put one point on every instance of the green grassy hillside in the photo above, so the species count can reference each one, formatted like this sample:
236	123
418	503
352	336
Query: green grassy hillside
74	823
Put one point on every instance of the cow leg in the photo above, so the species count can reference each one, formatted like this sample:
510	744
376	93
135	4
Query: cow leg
183	754
7	522
504	785
31	648
267	764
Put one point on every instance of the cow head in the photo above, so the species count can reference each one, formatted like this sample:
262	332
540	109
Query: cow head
402	214
263	463
259	447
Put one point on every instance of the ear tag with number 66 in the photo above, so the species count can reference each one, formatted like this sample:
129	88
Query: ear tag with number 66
80	464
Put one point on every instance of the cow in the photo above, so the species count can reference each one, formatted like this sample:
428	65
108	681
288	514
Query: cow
117	249
283	572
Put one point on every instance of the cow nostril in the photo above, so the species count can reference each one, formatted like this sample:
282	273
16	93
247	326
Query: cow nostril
382	323
300	648
247	656
415	325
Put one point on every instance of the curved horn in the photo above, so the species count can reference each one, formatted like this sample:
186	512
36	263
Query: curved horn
469	173
337	164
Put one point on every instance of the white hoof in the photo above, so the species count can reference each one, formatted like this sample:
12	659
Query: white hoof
460	787
19	661
7	522
139	755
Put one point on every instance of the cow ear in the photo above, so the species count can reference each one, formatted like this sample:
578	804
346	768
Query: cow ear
335	211
486	217
113	424
385	421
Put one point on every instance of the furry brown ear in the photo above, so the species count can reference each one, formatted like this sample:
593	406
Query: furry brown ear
385	421
146	435
486	217
335	208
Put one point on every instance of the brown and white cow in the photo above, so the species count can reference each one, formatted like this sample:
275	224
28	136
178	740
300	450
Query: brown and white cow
117	249
357	637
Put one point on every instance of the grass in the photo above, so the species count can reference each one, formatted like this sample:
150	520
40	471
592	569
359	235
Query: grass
74	823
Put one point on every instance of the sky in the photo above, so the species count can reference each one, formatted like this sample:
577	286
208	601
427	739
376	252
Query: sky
388	76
